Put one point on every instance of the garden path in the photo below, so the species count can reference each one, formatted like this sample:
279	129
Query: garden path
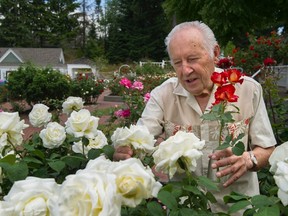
100	104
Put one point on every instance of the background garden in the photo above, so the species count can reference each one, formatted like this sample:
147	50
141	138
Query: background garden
253	37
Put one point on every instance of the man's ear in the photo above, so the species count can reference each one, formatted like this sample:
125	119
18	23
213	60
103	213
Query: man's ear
216	53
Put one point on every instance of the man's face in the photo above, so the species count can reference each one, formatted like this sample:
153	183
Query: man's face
192	62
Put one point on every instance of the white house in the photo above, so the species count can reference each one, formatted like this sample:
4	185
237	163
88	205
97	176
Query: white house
12	58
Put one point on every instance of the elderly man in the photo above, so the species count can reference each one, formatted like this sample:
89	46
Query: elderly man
179	103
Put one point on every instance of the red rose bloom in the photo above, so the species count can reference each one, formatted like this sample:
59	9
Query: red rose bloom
219	78
225	93
234	75
269	61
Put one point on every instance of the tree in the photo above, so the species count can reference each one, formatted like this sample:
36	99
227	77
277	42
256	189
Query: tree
136	29
37	23
14	24
230	19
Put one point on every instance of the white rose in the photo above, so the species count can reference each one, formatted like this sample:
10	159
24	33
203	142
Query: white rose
97	142
71	104
281	180
32	196
53	135
279	154
11	129
39	115
138	137
134	182
81	124
6	208
100	164
182	146
89	193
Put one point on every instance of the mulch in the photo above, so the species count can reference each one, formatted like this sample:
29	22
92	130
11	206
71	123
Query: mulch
99	104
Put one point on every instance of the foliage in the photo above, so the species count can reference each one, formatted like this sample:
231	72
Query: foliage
252	57
135	92
131	28
87	88
3	93
230	20
261	55
51	23
34	84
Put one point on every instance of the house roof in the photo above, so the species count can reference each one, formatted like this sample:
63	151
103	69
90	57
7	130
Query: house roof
39	56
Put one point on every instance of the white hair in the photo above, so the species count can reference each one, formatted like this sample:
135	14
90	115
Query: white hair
209	40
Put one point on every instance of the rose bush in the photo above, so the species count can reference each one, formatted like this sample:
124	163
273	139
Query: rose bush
86	181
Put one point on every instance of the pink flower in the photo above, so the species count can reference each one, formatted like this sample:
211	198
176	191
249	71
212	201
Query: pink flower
147	97
137	85
125	82
122	113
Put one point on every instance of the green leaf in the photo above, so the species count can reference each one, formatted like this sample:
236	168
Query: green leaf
235	197
167	199
223	146
192	189
15	172
73	161
155	209
207	183
261	200
85	141
29	147
39	154
94	153
175	212
29	159
57	165
187	211
238	206
109	151
211	197
10	158
238	149
268	211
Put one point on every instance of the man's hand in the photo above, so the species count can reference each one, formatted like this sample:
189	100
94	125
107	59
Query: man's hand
234	166
122	153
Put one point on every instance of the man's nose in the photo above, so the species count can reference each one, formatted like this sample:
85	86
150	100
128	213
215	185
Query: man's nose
187	68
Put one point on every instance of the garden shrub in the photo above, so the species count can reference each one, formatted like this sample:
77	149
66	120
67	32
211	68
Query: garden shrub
149	69
3	93
35	85
87	88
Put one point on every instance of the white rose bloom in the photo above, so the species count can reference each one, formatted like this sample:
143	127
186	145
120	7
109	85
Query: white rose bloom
97	142
32	196
134	182
279	154
281	180
72	104
11	129
89	193
39	115
182	145
138	137
81	124
6	208
53	135
100	164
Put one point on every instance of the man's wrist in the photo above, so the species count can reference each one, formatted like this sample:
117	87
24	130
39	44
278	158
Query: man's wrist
253	160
